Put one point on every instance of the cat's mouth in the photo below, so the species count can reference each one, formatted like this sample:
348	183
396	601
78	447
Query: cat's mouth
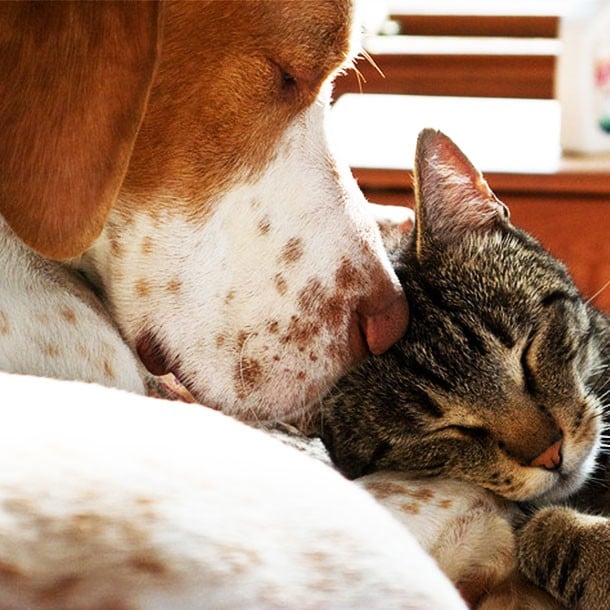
565	485
570	477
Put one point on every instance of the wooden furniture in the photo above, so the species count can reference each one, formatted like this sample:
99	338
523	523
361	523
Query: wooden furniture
564	201
421	65
504	48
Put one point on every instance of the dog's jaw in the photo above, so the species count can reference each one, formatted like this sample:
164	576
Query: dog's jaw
254	305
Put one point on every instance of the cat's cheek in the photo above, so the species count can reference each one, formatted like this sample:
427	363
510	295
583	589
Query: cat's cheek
509	479
563	489
536	483
580	458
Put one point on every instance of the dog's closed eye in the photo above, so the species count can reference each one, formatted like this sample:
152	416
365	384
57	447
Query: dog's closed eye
287	82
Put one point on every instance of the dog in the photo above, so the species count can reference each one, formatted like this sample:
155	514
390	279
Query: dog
169	204
175	155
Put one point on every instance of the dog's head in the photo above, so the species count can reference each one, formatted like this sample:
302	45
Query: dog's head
180	153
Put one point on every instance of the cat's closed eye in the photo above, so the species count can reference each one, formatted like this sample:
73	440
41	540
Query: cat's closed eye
527	369
470	432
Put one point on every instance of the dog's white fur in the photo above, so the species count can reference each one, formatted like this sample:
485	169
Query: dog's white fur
111	500
52	325
245	326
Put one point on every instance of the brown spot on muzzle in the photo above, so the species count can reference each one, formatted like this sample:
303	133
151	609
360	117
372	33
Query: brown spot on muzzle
142	288
173	286
264	226
280	284
247	376
411	508
348	277
292	251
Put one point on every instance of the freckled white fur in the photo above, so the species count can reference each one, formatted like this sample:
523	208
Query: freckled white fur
108	497
467	530
216	325
51	325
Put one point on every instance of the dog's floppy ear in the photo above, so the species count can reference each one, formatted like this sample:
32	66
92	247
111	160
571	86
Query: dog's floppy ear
74	82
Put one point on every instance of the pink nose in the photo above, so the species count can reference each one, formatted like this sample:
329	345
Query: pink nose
383	319
550	458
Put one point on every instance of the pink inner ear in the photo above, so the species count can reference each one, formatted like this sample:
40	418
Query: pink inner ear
451	194
448	165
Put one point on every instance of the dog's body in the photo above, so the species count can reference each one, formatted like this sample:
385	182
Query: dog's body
174	157
111	500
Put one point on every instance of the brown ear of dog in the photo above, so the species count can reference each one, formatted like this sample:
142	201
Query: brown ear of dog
74	87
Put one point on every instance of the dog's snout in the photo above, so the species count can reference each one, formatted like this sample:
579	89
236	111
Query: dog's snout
383	318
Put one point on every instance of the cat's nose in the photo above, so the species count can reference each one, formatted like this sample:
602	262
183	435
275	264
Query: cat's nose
550	458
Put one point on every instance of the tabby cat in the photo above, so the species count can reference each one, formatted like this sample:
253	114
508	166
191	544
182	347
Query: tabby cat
500	380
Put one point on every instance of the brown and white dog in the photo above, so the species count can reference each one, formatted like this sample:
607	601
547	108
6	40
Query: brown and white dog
166	190
176	155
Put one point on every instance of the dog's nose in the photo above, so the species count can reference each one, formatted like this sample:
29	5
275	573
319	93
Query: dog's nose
383	319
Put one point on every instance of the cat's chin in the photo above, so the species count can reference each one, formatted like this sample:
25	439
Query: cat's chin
576	470
567	485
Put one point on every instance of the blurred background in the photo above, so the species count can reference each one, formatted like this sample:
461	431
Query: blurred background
522	86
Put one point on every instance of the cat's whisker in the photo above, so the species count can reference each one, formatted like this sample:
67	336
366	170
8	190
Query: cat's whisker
602	396
594	479
603	381
591	299
314	421
598	369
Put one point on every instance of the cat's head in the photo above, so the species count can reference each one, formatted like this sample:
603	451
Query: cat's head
491	382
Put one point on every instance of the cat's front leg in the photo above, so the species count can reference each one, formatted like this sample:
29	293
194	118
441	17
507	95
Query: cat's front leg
568	554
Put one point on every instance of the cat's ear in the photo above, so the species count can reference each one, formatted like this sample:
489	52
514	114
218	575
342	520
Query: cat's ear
451	196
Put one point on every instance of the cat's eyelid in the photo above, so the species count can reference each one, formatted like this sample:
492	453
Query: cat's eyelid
475	431
529	380
570	352
472	431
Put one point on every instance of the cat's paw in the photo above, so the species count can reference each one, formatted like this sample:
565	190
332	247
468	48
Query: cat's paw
568	554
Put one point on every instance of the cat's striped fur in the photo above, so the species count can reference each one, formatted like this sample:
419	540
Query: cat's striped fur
502	379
